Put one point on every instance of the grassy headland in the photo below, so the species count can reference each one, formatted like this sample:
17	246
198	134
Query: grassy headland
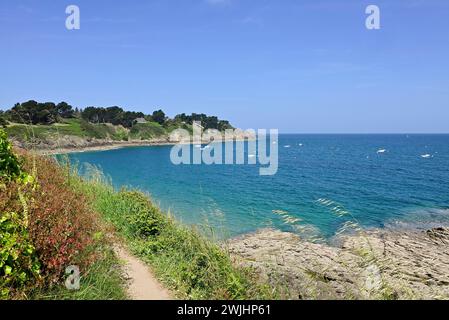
83	129
60	126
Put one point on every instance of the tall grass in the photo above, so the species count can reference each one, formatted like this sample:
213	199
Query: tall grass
46	226
187	263
103	280
64	229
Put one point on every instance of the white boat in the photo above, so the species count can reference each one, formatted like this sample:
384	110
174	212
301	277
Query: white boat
381	151
426	156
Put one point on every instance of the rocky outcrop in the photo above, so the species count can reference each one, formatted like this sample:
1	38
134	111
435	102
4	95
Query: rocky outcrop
376	264
67	143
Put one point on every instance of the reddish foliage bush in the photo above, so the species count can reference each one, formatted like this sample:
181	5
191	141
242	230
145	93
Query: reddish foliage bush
61	224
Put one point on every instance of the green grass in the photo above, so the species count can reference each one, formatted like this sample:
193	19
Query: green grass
26	132
103	281
73	127
146	131
70	127
103	131
84	129
170	126
192	266
151	130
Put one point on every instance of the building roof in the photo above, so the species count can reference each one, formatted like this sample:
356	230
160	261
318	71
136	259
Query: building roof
140	120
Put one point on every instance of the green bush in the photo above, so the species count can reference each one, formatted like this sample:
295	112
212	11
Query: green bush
3	122
92	130
10	169
18	262
143	219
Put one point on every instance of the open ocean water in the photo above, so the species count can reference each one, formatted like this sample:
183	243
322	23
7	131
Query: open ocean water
324	182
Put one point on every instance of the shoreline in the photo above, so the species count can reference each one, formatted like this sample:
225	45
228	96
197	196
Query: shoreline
373	264
379	263
106	145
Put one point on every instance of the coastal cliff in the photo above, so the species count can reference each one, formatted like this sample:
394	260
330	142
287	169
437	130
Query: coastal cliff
60	143
60	128
376	264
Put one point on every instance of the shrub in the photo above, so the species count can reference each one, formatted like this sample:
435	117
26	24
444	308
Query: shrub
143	220
146	131
10	166
92	130
18	262
62	226
3	121
44	225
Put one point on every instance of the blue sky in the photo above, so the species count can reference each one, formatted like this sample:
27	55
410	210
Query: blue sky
299	66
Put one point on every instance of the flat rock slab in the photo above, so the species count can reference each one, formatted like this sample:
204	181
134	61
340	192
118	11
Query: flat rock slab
376	264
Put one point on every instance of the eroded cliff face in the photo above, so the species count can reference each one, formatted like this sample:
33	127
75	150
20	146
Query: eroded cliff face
68	143
74	143
375	264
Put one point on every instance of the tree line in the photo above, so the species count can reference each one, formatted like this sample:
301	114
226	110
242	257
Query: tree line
208	122
33	112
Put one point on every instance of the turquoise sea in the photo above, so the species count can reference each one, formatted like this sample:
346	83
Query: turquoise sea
324	182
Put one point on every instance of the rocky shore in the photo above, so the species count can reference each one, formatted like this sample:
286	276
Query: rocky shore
375	264
73	144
